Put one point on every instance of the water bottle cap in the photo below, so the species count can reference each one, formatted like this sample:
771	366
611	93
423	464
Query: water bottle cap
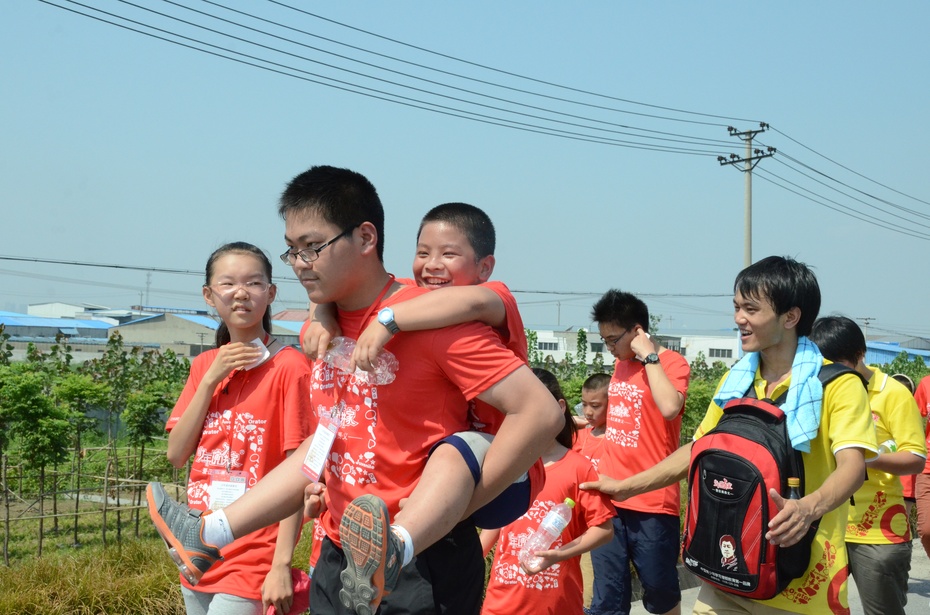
570	502
794	482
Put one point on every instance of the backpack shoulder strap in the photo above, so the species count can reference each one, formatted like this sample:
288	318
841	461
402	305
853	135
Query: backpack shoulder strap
828	373
832	371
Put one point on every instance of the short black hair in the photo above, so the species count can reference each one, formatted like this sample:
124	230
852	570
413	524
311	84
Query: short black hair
784	283
621	309
595	382
342	197
839	338
471	221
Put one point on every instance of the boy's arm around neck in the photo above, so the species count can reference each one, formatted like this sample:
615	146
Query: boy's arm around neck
443	307
450	306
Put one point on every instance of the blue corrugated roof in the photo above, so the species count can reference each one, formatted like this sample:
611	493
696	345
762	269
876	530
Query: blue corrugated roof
205	321
13	319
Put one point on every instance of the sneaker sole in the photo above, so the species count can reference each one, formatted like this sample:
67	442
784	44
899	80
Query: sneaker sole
363	532
175	549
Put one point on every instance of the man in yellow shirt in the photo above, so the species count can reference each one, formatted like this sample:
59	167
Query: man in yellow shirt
878	535
776	301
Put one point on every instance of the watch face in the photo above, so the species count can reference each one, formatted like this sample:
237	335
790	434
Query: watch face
385	316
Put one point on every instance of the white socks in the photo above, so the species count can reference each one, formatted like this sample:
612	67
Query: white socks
408	544
216	530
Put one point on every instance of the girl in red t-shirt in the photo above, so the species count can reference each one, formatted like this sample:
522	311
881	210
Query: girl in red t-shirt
556	585
244	408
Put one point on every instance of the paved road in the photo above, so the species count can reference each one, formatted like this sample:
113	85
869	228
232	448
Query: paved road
918	594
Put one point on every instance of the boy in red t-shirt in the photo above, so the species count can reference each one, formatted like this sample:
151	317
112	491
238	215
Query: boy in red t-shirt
589	442
594	402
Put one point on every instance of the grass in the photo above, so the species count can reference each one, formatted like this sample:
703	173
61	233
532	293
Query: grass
136	577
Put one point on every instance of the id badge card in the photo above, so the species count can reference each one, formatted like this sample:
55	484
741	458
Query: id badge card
320	446
226	487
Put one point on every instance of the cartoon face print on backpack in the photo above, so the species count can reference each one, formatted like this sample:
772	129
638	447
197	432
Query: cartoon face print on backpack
728	552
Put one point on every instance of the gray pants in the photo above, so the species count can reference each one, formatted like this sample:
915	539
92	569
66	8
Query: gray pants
202	603
881	573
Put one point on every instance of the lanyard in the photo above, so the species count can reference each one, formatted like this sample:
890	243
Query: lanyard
377	301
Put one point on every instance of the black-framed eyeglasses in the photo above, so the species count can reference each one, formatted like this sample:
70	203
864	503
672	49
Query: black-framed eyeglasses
612	340
308	255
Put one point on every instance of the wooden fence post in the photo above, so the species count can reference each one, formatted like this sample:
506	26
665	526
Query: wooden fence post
6	516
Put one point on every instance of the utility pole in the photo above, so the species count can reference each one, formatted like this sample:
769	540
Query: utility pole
750	161
866	321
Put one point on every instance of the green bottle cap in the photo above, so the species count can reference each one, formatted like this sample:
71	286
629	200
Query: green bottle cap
570	502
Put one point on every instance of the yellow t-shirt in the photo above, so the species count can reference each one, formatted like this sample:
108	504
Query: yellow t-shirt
878	515
845	422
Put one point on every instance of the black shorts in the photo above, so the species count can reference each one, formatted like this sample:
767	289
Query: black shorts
446	579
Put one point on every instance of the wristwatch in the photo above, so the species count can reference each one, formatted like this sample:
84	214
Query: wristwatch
386	318
651	358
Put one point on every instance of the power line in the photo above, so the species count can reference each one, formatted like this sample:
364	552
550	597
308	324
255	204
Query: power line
851	170
445	72
532	79
380	94
537	124
841	209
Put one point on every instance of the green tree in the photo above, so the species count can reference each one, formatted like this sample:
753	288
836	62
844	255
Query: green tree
700	394
532	346
79	394
566	367
144	420
707	373
6	348
654	320
571	389
914	368
38	427
597	364
581	353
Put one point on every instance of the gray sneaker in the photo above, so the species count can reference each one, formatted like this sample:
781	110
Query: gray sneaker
180	527
373	555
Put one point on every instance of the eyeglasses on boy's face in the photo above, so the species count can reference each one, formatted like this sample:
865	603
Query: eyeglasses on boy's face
308	255
612	340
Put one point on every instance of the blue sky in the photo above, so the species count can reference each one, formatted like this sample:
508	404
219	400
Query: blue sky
118	148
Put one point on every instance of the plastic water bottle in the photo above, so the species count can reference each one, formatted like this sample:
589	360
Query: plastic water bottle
340	352
551	527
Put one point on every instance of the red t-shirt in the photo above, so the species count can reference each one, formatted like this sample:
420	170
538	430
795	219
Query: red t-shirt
589	446
388	430
255	416
487	418
922	396
637	435
559	588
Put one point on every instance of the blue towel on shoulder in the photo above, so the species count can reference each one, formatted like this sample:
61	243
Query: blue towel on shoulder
805	393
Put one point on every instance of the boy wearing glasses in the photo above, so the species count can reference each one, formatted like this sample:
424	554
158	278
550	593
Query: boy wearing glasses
646	396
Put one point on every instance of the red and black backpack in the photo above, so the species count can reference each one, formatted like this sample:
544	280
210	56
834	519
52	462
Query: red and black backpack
732	468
